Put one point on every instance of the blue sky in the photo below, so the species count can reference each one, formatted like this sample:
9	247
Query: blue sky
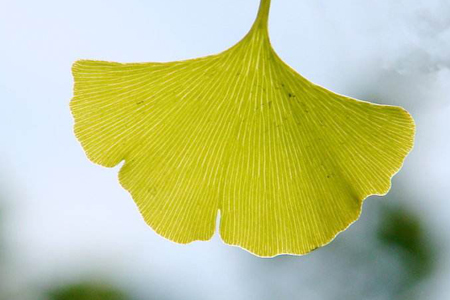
69	217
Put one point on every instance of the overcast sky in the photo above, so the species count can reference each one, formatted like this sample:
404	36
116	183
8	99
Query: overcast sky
66	213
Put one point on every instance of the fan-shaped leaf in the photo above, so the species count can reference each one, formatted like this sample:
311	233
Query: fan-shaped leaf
286	162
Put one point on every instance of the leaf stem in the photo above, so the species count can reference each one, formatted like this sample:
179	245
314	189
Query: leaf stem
262	19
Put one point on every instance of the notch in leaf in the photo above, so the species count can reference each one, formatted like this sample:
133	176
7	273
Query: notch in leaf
286	162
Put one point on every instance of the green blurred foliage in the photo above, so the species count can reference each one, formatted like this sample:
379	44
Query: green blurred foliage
87	291
404	231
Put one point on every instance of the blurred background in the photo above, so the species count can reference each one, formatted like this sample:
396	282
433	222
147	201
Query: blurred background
69	231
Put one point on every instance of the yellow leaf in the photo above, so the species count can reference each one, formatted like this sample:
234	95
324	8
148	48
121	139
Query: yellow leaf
286	162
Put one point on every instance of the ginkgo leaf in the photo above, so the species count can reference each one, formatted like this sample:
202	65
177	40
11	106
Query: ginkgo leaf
286	162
